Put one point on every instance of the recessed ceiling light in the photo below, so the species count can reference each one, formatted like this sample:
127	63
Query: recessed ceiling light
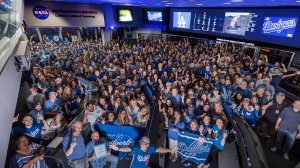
226	3
199	4
165	1
298	1
170	3
236	0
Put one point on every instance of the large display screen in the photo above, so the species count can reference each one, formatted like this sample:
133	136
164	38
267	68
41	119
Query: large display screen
154	16
268	25
124	15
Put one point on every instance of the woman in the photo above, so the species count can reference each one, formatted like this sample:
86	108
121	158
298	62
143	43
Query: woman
219	134
193	127
28	155
214	97
248	112
54	125
123	118
142	117
218	112
110	118
70	99
133	109
176	124
205	125
238	98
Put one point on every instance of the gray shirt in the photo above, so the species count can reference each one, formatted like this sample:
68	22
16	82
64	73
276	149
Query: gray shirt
290	119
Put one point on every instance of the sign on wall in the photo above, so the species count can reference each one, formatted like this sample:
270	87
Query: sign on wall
40	12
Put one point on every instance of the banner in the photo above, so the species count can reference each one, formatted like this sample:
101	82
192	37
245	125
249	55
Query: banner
189	148
55	38
120	135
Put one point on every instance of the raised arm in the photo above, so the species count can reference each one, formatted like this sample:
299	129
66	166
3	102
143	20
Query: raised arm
163	150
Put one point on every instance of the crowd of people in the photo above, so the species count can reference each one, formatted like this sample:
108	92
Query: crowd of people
193	83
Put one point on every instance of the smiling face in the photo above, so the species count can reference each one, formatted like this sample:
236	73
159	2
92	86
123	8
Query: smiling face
27	121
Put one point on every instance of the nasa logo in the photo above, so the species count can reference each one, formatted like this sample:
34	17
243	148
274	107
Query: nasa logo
40	12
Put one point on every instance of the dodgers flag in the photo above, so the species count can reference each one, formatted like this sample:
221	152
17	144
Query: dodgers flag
189	148
120	135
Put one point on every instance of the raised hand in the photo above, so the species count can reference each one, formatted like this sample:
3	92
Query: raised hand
15	119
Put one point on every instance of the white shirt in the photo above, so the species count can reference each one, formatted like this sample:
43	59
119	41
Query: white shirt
94	115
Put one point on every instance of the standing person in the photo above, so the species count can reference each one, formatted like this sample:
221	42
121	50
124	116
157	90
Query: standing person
52	106
287	127
270	113
92	158
174	126
92	114
33	130
29	155
74	147
141	154
34	97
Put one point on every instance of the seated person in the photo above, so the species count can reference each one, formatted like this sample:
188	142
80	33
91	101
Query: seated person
28	154
100	161
31	129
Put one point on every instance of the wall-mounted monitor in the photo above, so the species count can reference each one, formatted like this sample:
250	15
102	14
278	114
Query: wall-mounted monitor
154	16
125	15
267	25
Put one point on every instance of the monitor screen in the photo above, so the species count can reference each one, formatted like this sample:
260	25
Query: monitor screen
124	15
279	26
268	25
154	16
182	20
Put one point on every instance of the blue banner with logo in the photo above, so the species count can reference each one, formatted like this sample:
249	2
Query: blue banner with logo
120	135
54	37
280	26
192	149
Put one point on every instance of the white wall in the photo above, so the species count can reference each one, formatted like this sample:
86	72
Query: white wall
9	88
54	21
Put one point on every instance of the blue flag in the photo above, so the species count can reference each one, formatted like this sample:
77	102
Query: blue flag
120	135
189	148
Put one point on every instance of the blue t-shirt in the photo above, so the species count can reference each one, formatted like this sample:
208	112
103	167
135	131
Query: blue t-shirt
50	106
217	140
140	158
174	134
34	132
79	150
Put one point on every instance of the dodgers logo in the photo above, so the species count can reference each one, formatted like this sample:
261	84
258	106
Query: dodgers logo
120	139
40	12
279	26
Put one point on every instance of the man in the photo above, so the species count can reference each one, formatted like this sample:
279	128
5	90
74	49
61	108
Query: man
287	127
74	148
270	113
141	154
91	114
52	106
267	85
33	130
34	97
100	161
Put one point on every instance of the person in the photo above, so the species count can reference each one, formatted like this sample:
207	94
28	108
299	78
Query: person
34	97
92	113
52	106
219	134
55	124
100	161
37	112
270	113
175	125
28	154
123	118
33	130
74	147
287	127
141	154
248	112
142	117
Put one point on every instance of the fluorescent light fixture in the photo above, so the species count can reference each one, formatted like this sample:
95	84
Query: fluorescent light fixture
165	1
226	3
298	1
170	3
199	4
